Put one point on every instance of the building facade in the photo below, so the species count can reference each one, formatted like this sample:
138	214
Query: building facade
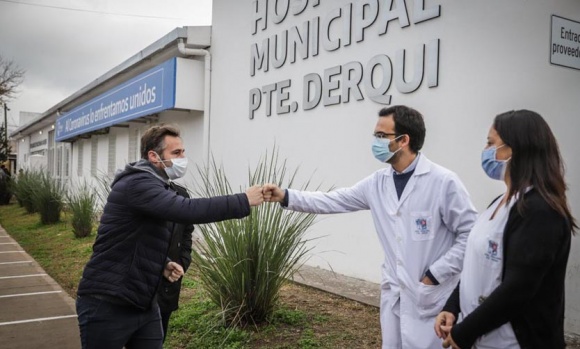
97	130
309	77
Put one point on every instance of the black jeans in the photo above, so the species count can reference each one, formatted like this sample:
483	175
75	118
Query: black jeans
165	322
106	325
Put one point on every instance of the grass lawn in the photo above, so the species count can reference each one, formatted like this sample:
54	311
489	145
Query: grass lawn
305	318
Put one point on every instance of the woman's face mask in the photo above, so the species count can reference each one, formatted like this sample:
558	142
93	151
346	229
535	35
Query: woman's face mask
494	168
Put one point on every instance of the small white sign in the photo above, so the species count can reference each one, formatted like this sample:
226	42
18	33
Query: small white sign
565	46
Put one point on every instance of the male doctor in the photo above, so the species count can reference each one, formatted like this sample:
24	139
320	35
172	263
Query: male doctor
422	214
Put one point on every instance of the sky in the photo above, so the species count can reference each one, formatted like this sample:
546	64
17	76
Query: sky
63	45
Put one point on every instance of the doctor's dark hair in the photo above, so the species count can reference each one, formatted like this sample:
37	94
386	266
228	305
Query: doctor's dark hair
408	121
154	139
535	160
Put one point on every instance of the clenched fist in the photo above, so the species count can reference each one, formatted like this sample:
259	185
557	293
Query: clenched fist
173	271
255	196
273	193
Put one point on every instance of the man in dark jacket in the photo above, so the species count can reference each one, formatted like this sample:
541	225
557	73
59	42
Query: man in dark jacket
117	304
179	252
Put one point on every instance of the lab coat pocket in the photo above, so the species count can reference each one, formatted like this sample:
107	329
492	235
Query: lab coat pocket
431	299
422	226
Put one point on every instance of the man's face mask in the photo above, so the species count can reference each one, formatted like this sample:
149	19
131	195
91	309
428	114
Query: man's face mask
381	149
177	169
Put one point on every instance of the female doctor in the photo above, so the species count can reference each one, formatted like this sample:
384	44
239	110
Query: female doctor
511	293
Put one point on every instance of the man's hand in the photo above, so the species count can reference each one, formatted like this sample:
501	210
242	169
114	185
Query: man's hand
273	193
173	271
427	281
255	196
443	324
449	343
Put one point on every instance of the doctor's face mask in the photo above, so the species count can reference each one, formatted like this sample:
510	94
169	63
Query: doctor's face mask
381	149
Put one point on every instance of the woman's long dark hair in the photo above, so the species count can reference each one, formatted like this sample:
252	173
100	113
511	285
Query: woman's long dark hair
535	160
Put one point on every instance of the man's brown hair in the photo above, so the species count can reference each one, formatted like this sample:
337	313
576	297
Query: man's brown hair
154	139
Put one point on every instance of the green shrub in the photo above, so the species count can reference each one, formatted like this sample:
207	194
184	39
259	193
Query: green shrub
14	187
81	203
5	189
48	198
24	188
102	191
243	263
198	324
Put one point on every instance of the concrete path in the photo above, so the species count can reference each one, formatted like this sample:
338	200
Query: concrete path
34	310
359	290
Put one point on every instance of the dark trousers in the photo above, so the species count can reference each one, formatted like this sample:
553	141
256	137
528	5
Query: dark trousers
106	325
165	322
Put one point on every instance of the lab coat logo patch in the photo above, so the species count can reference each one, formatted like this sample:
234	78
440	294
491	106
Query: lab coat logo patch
422	226
492	253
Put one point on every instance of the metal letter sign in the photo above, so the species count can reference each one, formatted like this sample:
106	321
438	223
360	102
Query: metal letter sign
150	92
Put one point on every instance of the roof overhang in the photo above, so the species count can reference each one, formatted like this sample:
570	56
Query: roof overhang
154	54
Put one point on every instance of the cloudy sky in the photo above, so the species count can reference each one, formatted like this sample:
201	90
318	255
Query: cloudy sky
63	45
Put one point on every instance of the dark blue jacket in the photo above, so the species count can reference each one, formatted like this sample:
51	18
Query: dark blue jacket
179	252
130	251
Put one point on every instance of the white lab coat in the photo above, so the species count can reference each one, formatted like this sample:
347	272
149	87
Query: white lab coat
482	271
426	229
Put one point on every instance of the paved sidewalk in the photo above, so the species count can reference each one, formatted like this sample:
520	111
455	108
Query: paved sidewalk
35	312
359	290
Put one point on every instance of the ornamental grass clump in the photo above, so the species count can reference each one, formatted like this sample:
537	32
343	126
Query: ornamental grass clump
102	189
243	263
24	188
5	189
48	198
81	202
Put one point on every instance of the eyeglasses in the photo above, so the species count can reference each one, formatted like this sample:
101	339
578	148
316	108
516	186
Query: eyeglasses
381	135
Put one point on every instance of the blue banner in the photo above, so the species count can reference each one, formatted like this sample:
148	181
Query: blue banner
148	93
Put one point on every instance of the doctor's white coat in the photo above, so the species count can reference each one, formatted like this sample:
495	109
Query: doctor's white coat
426	229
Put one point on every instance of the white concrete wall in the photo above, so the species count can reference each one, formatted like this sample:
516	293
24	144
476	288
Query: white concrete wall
191	126
493	57
86	166
38	160
102	154
122	155
22	152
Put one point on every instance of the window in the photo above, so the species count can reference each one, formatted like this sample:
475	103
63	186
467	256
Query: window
66	162
94	154
50	163
112	154
80	156
59	162
134	151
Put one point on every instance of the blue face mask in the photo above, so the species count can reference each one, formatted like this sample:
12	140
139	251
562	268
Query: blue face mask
381	149
494	168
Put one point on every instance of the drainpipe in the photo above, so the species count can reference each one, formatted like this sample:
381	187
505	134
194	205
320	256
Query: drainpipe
207	90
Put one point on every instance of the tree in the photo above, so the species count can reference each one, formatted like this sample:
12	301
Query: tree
11	76
5	148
